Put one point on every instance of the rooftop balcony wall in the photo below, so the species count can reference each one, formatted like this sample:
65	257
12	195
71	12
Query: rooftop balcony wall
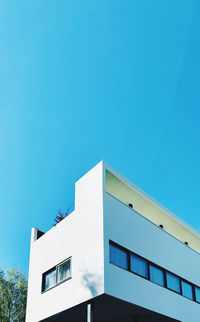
152	210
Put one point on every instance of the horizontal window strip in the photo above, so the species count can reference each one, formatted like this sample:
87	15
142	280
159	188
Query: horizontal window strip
140	266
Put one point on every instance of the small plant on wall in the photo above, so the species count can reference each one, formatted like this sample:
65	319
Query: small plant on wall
60	216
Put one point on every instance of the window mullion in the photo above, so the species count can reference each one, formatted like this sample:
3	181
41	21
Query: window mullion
129	261
57	274
193	292
148	271
165	278
181	291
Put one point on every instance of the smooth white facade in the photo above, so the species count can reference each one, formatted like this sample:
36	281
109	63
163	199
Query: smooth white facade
84	236
79	236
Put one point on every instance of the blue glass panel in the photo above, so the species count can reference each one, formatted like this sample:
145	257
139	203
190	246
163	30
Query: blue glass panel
139	266
197	293
187	290
118	256
156	275
50	279
173	282
63	271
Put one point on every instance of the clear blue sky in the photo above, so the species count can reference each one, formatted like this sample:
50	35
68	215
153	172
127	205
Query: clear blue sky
82	81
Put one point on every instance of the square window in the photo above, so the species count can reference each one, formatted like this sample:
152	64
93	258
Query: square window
139	266
118	256
63	271
187	290
56	275
156	275
173	282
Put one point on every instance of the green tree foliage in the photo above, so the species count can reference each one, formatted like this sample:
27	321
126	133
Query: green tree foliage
13	293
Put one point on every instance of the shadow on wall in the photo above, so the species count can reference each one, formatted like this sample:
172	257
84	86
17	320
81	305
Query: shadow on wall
92	281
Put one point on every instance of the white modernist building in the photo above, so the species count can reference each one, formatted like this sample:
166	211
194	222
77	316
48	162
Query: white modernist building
120	256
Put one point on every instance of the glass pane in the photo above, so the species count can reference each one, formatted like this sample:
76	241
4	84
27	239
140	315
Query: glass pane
49	279
187	290
63	271
173	282
156	275
197	293
118	256
139	266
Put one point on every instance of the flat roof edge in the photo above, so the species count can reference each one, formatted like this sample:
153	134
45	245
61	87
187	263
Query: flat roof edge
149	198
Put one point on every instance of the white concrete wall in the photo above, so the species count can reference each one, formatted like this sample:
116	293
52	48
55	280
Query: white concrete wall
131	230
80	236
84	236
152	210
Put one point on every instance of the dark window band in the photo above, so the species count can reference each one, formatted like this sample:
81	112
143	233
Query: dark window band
136	264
